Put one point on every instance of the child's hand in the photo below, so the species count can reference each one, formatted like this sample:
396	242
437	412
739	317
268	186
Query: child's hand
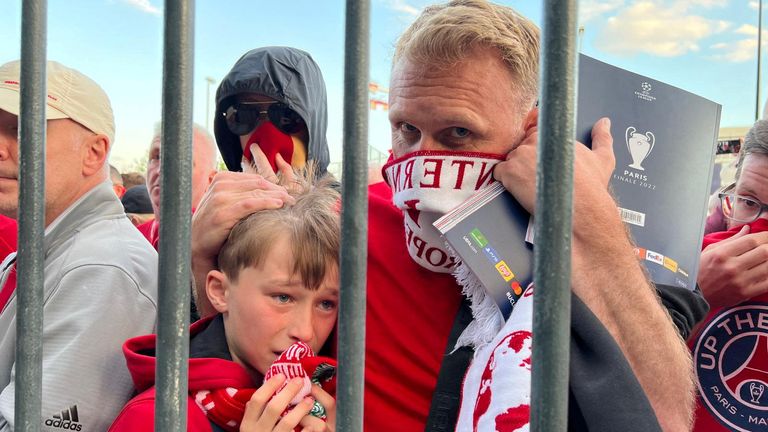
262	412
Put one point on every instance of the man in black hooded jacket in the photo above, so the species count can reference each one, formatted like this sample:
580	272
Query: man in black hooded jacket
271	111
280	89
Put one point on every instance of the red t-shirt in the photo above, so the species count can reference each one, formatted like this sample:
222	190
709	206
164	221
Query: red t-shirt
151	231
730	354
410	312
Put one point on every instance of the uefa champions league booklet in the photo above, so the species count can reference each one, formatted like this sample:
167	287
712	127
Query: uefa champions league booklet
664	141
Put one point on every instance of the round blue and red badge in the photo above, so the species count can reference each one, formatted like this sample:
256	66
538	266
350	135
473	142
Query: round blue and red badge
731	362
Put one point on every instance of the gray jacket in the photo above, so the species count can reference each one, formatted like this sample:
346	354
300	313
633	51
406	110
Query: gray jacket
100	288
288	75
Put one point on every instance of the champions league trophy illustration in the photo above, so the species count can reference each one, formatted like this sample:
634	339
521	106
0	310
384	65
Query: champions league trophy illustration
756	392
639	146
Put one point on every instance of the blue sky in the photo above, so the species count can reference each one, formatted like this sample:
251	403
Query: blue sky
707	47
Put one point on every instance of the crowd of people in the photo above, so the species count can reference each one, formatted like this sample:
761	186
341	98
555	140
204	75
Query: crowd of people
265	259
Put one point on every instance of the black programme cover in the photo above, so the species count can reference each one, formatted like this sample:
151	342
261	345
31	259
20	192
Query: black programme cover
664	142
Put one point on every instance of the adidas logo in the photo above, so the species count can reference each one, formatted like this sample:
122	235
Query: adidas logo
67	420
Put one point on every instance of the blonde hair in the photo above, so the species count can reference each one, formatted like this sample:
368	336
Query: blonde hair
443	35
312	225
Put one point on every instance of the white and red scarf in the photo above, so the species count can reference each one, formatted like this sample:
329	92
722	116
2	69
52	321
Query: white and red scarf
425	186
226	406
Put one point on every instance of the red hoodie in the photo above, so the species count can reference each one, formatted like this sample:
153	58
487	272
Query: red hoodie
206	372
730	355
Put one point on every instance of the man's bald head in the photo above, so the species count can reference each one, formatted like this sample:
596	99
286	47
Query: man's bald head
204	163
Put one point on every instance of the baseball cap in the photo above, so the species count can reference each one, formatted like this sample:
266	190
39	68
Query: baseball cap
70	95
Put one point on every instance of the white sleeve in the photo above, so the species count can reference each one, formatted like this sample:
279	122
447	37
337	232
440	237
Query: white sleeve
87	317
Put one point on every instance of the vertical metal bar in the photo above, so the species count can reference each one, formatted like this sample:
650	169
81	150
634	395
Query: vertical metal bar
759	56
554	196
176	202
354	218
29	324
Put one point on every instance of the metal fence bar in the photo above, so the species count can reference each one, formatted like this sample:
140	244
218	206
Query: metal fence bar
554	197
174	275
354	217
29	324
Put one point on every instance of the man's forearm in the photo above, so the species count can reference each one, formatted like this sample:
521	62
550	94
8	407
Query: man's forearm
611	281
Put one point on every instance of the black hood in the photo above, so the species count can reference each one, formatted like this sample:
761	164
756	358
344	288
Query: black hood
287	75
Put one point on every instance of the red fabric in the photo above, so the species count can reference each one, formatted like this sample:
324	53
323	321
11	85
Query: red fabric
705	421
204	373
410	312
8	238
271	141
151	231
226	406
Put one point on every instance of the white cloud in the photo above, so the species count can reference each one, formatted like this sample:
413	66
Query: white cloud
403	6
651	27
590	9
708	3
746	29
738	51
144	6
754	5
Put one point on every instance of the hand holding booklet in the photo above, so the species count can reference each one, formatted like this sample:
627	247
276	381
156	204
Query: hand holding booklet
664	144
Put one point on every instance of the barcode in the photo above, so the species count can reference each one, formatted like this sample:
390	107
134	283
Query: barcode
632	217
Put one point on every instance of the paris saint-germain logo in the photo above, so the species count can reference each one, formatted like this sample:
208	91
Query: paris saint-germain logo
731	359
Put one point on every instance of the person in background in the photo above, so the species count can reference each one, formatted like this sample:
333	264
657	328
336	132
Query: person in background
271	112
117	181
132	179
730	350
203	171
137	205
100	275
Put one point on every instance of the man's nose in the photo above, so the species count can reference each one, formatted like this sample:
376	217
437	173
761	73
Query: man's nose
6	142
428	143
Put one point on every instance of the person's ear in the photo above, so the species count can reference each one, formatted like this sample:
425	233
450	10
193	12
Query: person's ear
216	286
211	175
531	119
95	150
119	190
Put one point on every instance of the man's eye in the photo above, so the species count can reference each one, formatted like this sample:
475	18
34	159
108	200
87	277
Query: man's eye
408	128
460	132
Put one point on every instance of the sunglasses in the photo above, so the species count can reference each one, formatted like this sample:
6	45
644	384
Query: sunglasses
243	117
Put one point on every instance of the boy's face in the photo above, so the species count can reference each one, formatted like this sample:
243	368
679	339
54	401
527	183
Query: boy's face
268	309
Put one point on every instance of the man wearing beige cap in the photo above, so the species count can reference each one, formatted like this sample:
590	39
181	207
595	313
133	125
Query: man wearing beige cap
100	274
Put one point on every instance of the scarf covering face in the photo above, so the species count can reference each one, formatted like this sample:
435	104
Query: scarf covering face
425	186
271	141
226	406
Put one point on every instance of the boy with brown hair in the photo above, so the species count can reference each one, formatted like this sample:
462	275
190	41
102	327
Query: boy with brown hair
276	287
